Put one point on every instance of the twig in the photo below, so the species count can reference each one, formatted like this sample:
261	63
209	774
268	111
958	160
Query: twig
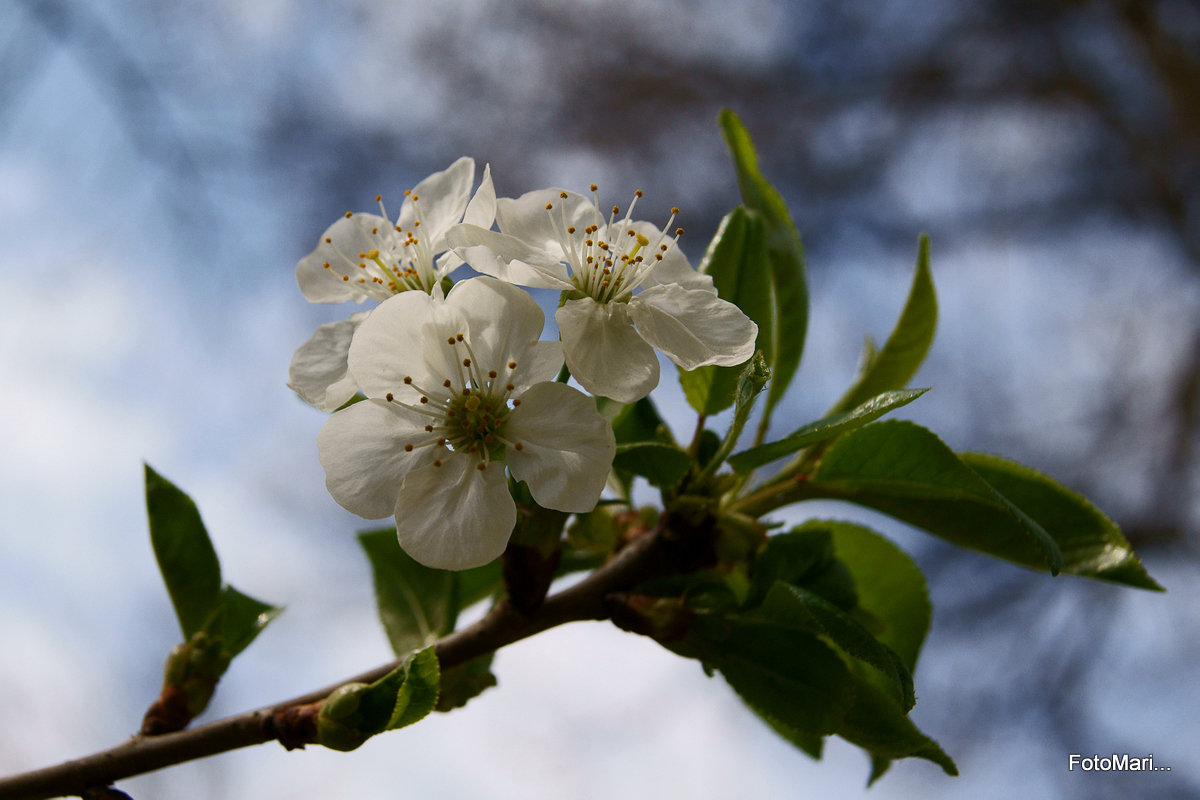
502	625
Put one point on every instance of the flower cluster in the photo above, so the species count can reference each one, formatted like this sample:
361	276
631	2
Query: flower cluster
370	257
460	391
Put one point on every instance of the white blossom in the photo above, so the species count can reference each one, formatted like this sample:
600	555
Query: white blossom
366	256
458	389
629	289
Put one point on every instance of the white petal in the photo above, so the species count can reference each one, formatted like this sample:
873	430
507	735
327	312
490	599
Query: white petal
504	320
362	451
481	210
391	343
674	266
693	327
455	516
348	237
541	362
507	258
526	218
604	352
318	372
566	447
442	198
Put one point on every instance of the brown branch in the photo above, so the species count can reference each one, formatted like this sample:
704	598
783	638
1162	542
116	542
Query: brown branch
648	555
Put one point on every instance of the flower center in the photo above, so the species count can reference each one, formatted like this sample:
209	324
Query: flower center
468	411
610	258
397	261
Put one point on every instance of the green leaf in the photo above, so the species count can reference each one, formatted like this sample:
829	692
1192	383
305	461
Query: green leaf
238	620
786	676
824	429
904	470
795	557
478	583
661	464
810	743
878	724
905	349
419	693
891	588
184	552
465	682
790	605
785	255
355	712
417	604
1091	543
754	377
640	422
737	261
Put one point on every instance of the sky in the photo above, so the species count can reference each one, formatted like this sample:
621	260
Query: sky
161	172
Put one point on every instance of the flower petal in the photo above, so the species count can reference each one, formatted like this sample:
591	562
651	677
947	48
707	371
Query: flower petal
441	200
566	447
674	266
455	516
339	248
527	218
319	372
505	323
507	258
504	319
362	451
395	342
693	327
481	212
603	351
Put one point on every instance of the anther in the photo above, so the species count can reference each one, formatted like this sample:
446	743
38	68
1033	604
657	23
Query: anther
446	383
390	397
518	446
481	466
549	206
407	380
466	362
674	210
424	399
408	448
491	374
437	462
378	197
563	195
594	187
328	240
450	340
509	387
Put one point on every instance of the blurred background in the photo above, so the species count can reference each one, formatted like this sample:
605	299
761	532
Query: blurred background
164	166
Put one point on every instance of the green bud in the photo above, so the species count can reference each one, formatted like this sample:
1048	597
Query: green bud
336	735
343	701
338	719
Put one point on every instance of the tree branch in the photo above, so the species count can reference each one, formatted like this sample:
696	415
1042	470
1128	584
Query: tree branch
646	556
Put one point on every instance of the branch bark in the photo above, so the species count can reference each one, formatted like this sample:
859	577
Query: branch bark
652	554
